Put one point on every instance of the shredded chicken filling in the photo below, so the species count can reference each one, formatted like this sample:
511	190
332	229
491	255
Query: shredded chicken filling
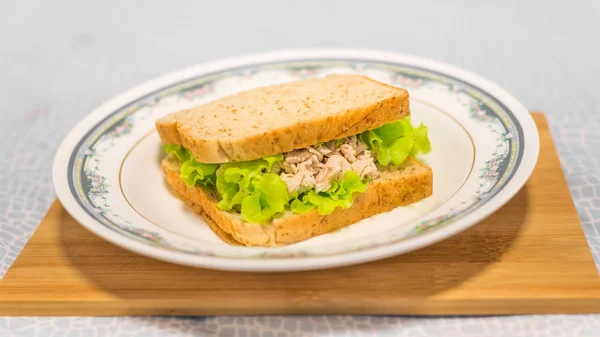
319	166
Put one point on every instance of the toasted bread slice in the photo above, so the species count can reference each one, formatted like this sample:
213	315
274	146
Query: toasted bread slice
410	183
279	118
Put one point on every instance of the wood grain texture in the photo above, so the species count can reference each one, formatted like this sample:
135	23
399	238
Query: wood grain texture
529	257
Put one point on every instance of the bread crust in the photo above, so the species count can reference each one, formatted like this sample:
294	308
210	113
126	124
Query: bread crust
410	183
280	118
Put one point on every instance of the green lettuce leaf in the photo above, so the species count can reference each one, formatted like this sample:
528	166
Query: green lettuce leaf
179	151
300	205
421	141
251	189
192	172
394	142
269	198
339	195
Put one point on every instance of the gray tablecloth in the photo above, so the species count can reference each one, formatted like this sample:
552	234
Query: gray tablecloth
60	59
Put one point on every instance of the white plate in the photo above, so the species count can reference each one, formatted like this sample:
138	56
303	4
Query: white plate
484	148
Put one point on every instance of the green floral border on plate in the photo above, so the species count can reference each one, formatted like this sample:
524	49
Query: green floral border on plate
88	184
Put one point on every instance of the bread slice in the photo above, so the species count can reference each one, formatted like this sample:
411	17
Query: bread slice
279	118
412	182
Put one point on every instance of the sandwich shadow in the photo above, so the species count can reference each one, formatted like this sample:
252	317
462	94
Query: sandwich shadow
417	274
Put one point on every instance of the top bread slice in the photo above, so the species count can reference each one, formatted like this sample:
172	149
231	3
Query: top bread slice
280	118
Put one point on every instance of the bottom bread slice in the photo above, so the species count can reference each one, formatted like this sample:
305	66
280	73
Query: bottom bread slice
411	182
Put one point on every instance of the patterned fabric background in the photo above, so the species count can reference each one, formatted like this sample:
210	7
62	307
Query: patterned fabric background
61	59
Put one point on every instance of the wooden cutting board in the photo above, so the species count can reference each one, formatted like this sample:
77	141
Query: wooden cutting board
529	257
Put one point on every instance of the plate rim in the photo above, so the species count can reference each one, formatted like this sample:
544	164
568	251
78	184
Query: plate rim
513	186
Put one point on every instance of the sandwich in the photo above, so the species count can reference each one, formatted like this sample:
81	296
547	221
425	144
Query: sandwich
280	164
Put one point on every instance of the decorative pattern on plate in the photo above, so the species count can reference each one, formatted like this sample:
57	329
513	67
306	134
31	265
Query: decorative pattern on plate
482	108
